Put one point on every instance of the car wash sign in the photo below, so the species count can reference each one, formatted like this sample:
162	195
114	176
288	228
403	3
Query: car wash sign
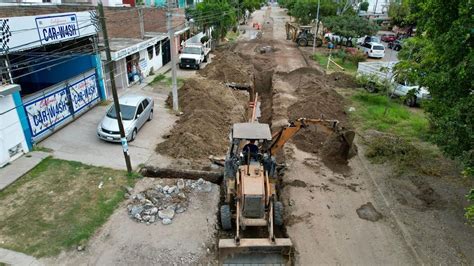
56	28
23	33
84	92
55	106
47	111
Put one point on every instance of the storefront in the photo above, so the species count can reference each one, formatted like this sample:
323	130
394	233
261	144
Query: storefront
135	59
55	62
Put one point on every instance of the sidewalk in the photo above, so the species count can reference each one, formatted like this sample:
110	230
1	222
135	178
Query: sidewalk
11	172
11	257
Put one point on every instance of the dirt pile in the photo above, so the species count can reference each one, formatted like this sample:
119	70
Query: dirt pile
209	110
318	99
341	80
228	67
315	100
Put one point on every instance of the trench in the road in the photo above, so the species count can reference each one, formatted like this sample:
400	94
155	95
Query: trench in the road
263	81
263	85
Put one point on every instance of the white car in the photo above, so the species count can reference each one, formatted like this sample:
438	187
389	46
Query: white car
135	110
338	39
367	39
420	93
373	49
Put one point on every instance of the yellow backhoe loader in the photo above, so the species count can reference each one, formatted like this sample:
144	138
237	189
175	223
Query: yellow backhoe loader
250	180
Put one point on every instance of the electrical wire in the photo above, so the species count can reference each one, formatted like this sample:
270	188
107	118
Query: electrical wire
67	54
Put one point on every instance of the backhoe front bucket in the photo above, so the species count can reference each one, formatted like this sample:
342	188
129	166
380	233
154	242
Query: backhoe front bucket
259	250
346	147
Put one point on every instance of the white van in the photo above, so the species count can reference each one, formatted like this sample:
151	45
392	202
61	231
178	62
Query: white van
373	49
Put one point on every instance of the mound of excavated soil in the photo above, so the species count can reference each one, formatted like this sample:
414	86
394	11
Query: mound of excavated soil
341	80
305	77
229	67
317	99
209	109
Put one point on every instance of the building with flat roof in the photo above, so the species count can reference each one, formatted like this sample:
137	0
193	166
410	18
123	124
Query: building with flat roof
54	62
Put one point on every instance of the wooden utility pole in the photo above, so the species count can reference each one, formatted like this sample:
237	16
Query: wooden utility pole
110	66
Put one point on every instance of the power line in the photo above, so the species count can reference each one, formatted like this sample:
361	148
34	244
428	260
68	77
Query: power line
16	67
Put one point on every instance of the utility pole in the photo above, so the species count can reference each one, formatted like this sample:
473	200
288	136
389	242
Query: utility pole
174	88
142	23
317	27
110	67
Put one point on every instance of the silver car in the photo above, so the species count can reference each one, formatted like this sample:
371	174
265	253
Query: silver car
135	109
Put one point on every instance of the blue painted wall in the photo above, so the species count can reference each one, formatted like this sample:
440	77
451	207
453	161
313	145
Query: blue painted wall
100	78
23	119
55	74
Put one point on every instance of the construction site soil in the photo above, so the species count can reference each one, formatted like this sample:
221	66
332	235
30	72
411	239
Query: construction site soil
209	110
210	107
318	99
228	67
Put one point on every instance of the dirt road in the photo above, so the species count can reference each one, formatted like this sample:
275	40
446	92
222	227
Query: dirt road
322	221
335	212
356	213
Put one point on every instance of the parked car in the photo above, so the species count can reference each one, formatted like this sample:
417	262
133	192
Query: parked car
388	37
379	74
338	39
395	45
373	49
418	95
367	39
135	110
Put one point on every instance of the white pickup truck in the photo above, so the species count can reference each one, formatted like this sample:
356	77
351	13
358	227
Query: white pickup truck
194	52
380	72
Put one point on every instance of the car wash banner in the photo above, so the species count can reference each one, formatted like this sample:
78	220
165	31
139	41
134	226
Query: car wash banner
84	92
55	106
26	32
47	111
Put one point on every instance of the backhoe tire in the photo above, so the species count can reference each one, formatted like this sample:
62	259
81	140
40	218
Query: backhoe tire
319	42
302	42
278	213
226	215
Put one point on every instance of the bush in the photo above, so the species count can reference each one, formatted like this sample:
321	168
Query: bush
357	57
342	55
371	81
386	147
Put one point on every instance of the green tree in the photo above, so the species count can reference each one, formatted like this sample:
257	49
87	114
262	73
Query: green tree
250	5
305	10
364	6
405	12
442	59
349	26
219	14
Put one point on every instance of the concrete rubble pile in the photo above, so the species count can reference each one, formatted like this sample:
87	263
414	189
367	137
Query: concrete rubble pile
164	202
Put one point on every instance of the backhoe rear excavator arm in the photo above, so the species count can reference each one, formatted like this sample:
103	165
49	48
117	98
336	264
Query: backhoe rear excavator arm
280	137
